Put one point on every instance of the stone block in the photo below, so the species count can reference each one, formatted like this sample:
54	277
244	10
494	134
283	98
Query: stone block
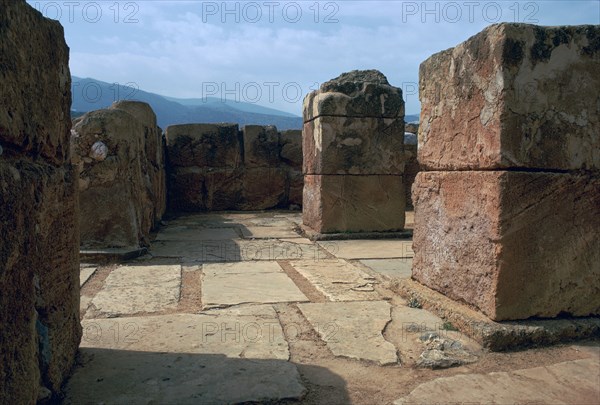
195	189
333	204
350	145
513	96
262	188
291	148
359	93
261	146
512	244
204	145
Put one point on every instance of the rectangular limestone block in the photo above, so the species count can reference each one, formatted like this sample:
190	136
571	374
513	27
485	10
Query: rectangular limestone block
513	96
28	42
333	204
194	189
348	145
204	145
513	244
261	146
291	148
262	188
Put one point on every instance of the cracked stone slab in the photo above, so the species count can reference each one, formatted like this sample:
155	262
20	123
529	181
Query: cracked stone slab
338	280
391	268
134	289
237	250
226	284
570	382
369	249
85	273
251	332
221	356
188	233
353	329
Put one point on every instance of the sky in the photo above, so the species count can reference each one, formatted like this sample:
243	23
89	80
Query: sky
273	53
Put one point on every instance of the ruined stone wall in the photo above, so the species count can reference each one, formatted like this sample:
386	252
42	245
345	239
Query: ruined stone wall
353	145
119	153
508	209
218	167
39	252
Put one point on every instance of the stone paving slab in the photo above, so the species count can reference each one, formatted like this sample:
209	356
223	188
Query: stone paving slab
85	274
353	329
369	249
196	233
338	280
225	284
390	268
134	289
269	232
570	382
235	251
251	332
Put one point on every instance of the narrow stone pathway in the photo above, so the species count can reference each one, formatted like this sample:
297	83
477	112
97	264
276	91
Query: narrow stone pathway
230	308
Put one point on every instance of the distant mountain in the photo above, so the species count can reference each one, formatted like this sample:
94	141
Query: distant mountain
90	94
412	118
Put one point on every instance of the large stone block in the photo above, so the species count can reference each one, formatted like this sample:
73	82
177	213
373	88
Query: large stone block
513	96
195	189
39	253
334	204
263	188
291	148
359	93
34	65
116	192
261	146
513	244
204	145
350	145
153	166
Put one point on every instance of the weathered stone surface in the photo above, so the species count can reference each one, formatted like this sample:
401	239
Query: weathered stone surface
196	189
570	382
85	274
338	280
359	93
390	268
226	284
369	249
262	188
117	197
39	264
411	168
261	146
153	166
291	148
513	96
353	329
349	145
522	244
190	233
139	289
295	186
353	203
204	145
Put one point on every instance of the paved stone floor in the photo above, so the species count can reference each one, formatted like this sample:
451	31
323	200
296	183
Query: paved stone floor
239	307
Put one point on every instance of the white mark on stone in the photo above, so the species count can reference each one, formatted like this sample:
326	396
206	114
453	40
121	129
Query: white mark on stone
99	151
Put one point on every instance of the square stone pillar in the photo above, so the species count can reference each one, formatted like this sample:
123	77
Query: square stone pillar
353	140
507	211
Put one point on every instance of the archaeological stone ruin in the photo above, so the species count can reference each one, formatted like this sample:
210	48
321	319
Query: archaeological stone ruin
503	177
353	145
507	207
39	254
